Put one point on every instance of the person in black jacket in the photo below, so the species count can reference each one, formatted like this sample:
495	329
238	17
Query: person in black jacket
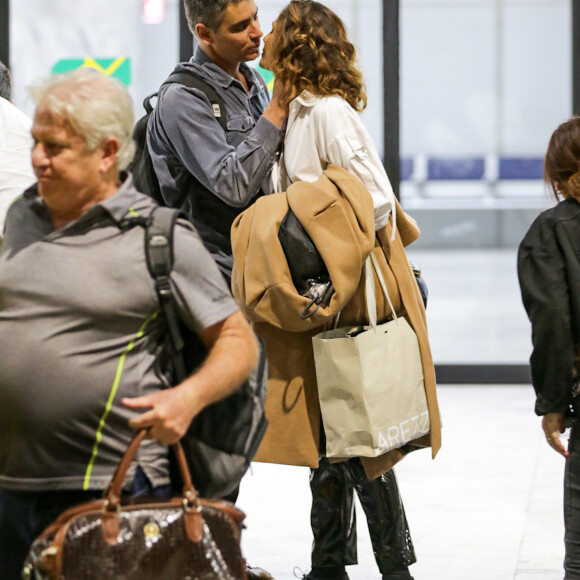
549	276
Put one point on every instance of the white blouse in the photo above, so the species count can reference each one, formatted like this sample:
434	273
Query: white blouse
323	130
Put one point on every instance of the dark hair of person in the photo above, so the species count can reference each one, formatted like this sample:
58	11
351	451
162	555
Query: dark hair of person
5	82
207	12
311	52
562	160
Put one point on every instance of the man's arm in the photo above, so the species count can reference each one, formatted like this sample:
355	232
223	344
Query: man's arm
233	173
233	354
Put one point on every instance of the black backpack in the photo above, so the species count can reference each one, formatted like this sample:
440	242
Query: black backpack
144	177
223	439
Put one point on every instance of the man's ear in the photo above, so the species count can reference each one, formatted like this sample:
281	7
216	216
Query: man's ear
110	149
204	34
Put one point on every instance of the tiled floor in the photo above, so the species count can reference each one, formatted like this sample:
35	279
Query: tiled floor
487	508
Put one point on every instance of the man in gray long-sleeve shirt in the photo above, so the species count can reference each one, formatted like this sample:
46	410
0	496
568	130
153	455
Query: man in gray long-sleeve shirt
223	171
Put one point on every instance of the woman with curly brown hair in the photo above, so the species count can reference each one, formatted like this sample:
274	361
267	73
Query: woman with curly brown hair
549	275
312	59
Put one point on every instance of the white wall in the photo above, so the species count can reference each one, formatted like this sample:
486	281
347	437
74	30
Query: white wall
43	32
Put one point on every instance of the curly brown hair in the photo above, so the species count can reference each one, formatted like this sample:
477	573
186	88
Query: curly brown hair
310	51
562	160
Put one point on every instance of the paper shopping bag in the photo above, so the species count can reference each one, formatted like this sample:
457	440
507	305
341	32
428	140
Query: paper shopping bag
370	385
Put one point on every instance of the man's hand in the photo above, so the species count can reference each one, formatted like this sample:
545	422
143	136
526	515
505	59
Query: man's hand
232	355
276	112
169	415
553	425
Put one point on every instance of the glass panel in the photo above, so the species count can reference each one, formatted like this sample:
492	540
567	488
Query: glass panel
483	85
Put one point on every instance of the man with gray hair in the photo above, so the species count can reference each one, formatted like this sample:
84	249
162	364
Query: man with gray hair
15	143
79	324
222	172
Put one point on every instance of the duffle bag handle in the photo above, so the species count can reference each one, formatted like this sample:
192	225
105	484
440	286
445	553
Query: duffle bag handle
113	493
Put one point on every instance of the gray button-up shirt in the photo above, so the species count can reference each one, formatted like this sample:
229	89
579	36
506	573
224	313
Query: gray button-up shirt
189	147
79	330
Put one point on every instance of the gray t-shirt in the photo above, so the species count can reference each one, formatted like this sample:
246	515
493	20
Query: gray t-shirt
79	330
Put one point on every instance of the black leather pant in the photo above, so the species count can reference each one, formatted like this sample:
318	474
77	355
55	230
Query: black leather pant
333	517
572	507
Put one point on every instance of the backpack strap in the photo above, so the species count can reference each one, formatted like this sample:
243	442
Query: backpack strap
193	80
159	253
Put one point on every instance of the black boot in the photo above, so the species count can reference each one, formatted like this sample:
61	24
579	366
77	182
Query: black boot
255	573
400	575
327	573
332	517
388	527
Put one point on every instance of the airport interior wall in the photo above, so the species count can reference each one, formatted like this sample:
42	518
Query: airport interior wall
483	85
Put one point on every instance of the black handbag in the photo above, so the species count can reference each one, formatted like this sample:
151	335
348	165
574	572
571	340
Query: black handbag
424	291
307	268
175	539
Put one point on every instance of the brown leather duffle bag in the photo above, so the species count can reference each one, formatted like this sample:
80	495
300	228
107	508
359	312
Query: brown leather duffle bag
180	538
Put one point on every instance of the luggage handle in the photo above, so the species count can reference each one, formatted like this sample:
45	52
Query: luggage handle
113	493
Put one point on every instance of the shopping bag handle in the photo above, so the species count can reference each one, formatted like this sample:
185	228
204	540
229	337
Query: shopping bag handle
370	290
113	493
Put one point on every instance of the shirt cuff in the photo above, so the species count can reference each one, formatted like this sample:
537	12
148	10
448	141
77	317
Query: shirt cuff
268	134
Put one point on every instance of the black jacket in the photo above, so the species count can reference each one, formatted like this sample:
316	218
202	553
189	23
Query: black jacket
549	274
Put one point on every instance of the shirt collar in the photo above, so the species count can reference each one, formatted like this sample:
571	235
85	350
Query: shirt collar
304	99
307	99
125	202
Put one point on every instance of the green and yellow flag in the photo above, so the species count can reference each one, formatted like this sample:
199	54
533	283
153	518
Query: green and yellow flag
268	77
119	68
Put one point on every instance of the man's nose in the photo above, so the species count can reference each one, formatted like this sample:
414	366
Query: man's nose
38	155
256	32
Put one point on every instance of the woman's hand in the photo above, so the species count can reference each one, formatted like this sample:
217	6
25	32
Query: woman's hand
553	425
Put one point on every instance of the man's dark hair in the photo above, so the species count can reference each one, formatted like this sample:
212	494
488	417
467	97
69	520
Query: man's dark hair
208	12
5	83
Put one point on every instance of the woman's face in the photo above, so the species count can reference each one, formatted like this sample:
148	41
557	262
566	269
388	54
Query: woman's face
265	61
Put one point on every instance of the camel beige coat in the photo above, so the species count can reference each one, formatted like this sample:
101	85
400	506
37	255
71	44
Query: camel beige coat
337	213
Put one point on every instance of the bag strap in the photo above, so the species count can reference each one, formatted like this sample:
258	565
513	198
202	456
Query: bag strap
113	493
193	80
370	290
159	254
